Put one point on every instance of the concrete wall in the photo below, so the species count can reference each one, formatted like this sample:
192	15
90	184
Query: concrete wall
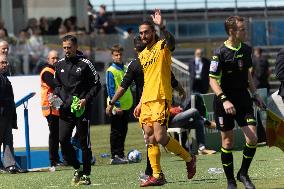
50	8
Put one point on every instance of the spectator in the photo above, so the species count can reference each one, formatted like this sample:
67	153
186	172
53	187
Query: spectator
3	34
62	31
192	118
199	71
50	113
54	26
70	24
37	48
119	119
43	25
8	119
92	17
260	70
22	52
260	75
32	26
4	50
102	21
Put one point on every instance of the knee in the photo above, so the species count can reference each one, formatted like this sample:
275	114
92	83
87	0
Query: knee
146	139
162	139
227	144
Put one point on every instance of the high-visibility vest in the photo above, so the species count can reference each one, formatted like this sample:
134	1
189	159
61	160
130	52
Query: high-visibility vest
45	90
126	100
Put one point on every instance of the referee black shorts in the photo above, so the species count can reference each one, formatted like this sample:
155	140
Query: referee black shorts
244	111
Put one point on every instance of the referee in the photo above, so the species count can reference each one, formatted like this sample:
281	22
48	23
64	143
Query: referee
229	79
77	82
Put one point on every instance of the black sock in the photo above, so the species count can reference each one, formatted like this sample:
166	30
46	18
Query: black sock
248	154
228	163
148	170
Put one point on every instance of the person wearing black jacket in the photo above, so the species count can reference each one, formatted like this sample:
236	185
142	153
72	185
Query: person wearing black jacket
279	71
77	82
199	71
8	119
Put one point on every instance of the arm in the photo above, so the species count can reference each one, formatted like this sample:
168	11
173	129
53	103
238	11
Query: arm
57	82
125	83
119	93
214	75
110	84
94	83
259	102
157	19
48	78
176	86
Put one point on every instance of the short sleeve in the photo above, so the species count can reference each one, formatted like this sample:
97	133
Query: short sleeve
215	69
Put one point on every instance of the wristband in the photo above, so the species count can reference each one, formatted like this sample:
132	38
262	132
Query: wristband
222	97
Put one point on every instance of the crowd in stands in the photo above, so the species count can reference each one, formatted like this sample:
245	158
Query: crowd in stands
30	46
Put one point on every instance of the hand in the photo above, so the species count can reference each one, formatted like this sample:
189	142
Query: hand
157	17
229	107
119	111
82	103
51	99
137	111
109	110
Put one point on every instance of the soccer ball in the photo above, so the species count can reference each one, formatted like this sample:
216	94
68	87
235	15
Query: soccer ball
134	156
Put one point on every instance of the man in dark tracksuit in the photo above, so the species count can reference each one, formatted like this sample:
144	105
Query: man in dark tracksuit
135	73
77	82
8	118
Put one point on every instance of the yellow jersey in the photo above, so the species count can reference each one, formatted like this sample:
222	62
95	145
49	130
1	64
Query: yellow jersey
156	65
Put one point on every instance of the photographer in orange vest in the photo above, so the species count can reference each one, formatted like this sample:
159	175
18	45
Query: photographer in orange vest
51	113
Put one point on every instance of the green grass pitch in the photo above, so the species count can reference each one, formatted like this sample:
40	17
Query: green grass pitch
267	170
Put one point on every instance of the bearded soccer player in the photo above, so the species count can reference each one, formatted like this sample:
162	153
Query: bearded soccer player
153	109
229	79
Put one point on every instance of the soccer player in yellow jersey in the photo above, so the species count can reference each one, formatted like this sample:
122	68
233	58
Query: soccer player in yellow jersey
153	109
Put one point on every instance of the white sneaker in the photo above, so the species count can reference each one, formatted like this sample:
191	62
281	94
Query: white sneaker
52	169
203	151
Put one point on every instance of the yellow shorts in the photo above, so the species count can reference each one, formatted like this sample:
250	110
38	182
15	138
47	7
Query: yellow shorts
155	111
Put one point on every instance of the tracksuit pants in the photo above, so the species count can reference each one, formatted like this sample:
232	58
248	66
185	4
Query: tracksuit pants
67	122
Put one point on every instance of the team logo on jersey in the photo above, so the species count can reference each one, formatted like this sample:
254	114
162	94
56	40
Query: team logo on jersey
213	66
62	70
240	64
78	70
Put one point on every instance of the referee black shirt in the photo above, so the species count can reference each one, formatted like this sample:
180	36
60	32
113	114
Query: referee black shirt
230	67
